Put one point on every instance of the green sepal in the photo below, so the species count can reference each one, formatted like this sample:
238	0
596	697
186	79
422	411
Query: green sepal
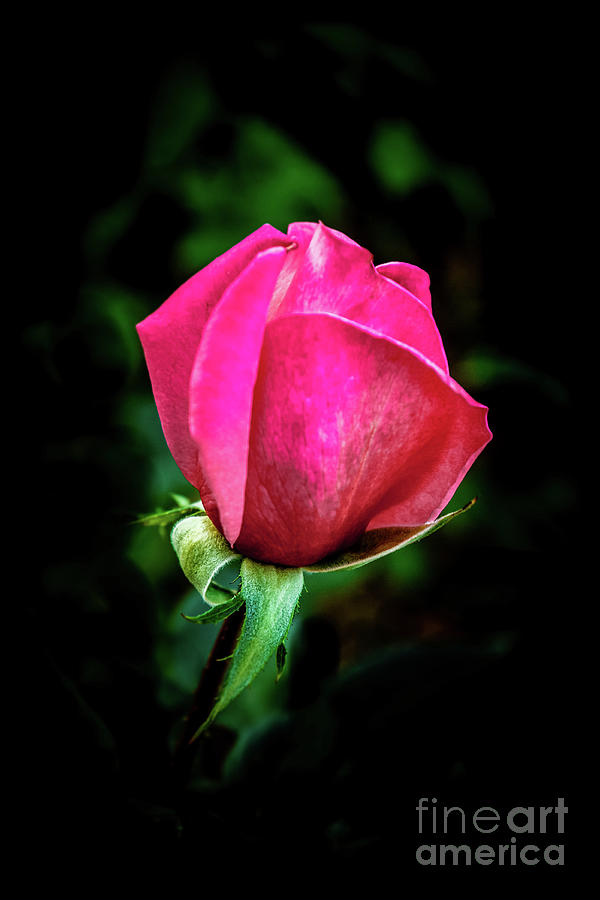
216	594
202	551
271	594
218	612
184	502
170	516
381	541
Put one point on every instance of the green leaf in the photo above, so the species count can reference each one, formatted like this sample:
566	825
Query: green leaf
218	612
271	594
169	516
381	541
202	551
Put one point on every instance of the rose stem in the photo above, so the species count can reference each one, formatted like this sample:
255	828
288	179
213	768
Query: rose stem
211	679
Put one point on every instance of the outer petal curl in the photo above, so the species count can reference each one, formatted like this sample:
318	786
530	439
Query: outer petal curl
343	419
171	335
410	277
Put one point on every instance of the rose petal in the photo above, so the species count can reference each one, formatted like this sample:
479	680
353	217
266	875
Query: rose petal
410	277
170	337
337	275
222	383
300	235
342	419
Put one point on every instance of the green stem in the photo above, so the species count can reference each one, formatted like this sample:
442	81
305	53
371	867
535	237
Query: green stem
210	682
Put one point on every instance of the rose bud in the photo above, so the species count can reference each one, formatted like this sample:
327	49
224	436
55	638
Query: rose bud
305	393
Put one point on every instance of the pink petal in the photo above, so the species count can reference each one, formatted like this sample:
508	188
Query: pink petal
299	237
343	419
410	277
334	274
302	232
222	384
171	335
468	440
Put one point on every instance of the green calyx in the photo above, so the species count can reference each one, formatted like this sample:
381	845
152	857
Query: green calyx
269	593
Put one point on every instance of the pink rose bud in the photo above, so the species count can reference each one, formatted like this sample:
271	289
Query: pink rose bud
305	392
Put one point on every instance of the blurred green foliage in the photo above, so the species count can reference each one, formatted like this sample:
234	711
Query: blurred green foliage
258	174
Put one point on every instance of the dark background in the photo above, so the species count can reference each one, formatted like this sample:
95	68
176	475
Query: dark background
448	670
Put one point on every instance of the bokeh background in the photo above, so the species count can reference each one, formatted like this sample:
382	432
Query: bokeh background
445	670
